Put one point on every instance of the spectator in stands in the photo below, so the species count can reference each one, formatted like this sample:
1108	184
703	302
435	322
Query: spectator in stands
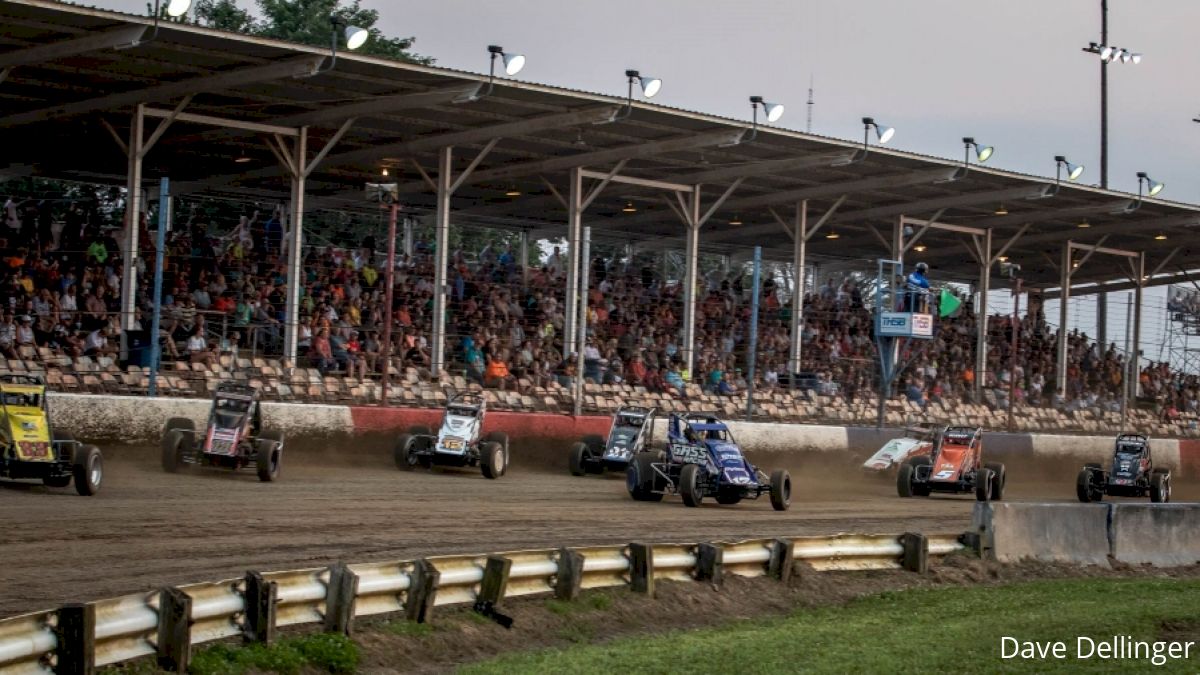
198	348
497	375
97	342
322	352
8	336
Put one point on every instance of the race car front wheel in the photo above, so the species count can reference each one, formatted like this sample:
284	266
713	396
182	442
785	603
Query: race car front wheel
983	484
492	460
1160	488
268	455
689	485
88	470
781	489
578	459
173	446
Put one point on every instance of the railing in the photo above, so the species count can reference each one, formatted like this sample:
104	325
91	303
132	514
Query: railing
168	622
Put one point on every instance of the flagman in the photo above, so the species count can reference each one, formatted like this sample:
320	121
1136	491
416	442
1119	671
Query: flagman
916	287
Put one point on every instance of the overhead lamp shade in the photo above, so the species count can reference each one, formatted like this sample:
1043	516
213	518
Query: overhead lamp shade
512	192
1136	57
832	235
1074	171
355	37
629	208
774	111
1161	236
735	221
1106	54
178	7
884	133
650	85
984	152
513	63
1001	211
1083	225
1125	56
1155	187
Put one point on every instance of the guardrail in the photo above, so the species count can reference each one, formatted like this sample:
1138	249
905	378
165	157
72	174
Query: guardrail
166	623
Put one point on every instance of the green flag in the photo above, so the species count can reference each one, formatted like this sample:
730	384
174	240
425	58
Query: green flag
947	303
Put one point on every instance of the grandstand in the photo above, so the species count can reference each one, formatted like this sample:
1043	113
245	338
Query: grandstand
278	279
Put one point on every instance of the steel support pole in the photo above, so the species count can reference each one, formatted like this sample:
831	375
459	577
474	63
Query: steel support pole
1102	321
1129	370
752	352
1137	324
691	273
524	252
981	314
799	249
295	260
390	315
1103	97
409	226
584	270
441	259
574	225
1012	361
164	220
1064	297
133	221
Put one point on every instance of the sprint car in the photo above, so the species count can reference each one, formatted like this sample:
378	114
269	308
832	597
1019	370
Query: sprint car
955	466
702	460
632	432
31	449
1133	474
917	441
233	438
459	442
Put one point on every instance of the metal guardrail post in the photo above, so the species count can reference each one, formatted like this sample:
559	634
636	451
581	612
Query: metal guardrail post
710	564
570	574
495	580
76	633
174	630
422	591
916	552
340	599
261	596
782	557
641	568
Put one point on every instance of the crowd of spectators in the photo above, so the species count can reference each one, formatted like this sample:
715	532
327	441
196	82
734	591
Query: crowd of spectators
224	292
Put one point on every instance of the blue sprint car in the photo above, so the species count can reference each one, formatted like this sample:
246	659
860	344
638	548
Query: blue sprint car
702	460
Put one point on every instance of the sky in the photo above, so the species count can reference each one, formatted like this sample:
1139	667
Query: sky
1011	73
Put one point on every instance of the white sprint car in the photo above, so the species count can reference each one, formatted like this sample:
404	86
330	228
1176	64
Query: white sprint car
918	440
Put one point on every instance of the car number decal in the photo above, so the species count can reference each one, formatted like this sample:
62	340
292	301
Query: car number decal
944	474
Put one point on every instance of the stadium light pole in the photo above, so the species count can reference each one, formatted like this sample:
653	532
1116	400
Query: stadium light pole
1107	54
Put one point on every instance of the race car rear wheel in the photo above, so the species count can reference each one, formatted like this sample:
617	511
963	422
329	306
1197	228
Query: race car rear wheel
491	460
178	423
641	479
983	484
578	459
1084	489
268	455
402	454
88	470
502	439
1160	487
174	444
689	485
781	489
998	478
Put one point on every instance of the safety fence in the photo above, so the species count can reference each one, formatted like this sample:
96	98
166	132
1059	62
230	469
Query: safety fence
166	623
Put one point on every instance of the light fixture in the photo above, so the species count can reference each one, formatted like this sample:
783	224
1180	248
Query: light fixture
1161	236
883	134
513	63
1083	225
833	235
982	152
384	171
1001	211
355	37
1074	171
242	158
175	9
1110	54
773	110
919	248
736	220
1003	258
629	208
649	86
512	191
1153	187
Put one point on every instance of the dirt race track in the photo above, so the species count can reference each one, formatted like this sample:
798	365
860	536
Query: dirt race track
346	501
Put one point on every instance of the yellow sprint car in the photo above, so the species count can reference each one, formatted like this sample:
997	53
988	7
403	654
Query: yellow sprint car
31	450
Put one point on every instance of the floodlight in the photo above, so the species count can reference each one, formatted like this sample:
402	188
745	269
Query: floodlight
773	110
1074	171
178	7
982	152
1153	187
649	86
355	37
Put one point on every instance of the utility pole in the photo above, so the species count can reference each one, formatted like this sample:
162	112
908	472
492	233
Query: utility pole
808	125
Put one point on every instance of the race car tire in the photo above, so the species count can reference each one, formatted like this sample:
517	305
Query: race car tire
184	423
1084	489
268	455
904	480
998	479
1160	487
405	461
491	460
781	489
56	481
1092	465
173	446
983	484
689	485
640	479
419	430
595	443
578	459
729	497
501	438
88	470
920	489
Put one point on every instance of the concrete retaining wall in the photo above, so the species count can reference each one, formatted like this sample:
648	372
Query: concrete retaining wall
1163	535
138	419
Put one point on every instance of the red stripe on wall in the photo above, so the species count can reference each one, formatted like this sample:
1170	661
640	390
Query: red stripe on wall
1189	458
516	425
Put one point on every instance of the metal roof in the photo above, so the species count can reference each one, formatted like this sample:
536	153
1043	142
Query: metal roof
69	95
